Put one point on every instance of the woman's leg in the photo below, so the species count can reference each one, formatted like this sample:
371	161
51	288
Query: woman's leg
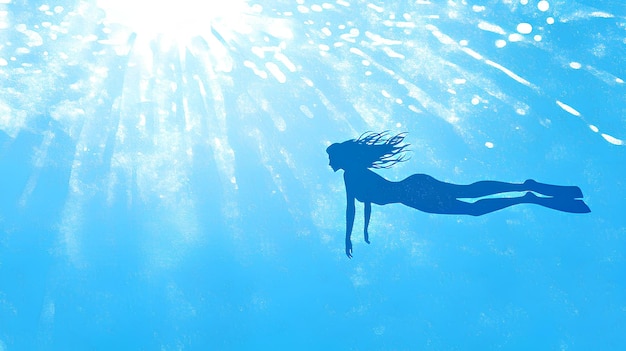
484	206
480	189
488	187
478	208
426	186
458	207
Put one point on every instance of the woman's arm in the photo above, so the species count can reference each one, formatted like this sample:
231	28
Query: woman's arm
349	215
367	213
349	223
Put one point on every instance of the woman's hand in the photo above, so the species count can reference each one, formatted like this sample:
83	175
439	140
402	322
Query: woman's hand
348	248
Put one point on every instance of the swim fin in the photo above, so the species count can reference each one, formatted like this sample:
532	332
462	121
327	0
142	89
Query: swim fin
559	204
570	192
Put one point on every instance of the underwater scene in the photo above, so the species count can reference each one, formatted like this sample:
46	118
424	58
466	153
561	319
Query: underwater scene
312	175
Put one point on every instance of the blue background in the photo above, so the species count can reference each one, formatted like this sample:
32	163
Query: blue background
172	192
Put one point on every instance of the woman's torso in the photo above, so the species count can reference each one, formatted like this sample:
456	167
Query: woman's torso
367	186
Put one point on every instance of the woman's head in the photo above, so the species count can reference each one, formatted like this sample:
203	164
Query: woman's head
370	150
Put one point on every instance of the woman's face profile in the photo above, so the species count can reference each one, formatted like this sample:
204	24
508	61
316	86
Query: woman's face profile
332	159
333	163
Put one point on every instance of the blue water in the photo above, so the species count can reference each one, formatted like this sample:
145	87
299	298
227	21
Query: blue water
164	180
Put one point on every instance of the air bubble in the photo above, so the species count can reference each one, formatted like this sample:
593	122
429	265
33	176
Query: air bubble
323	47
543	6
575	65
524	28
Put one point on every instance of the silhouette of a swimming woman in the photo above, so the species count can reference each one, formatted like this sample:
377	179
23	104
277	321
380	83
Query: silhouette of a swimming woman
425	193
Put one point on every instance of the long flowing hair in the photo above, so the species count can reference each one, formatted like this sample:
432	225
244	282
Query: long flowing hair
373	150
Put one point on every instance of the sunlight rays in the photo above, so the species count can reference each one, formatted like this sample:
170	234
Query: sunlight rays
176	97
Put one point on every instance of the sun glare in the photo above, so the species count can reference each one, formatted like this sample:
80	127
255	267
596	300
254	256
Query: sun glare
182	20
